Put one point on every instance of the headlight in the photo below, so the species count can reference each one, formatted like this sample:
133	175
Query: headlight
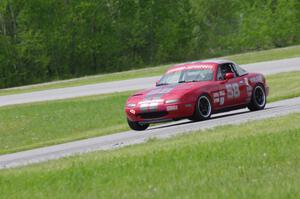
131	105
172	101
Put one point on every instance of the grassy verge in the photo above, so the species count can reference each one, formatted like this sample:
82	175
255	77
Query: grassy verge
254	160
266	55
245	58
41	124
284	86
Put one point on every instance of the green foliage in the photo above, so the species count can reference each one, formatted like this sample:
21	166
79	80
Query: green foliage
47	40
245	58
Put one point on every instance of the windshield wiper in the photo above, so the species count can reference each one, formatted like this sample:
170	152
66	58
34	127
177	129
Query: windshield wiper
161	84
183	81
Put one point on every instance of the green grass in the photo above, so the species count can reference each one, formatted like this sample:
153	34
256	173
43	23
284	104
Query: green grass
253	160
41	124
245	58
266	55
33	125
284	86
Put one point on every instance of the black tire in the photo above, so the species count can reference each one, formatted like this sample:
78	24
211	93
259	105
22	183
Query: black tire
137	126
203	109
258	99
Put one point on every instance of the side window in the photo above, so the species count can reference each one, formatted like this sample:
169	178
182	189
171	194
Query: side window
223	69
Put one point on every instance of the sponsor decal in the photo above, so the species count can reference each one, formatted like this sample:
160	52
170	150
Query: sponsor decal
216	100
192	67
222	100
151	101
222	93
200	67
176	69
216	95
219	97
172	108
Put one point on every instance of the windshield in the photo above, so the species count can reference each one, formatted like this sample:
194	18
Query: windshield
186	76
240	71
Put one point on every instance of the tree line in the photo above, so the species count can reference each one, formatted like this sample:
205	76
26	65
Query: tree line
43	40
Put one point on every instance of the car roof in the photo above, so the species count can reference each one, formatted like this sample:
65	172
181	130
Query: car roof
208	61
216	61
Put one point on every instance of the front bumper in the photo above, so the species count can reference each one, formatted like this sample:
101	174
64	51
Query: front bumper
161	113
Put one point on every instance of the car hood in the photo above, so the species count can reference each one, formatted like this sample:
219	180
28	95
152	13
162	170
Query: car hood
167	91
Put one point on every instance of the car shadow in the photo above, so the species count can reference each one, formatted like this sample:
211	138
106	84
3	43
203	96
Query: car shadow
213	118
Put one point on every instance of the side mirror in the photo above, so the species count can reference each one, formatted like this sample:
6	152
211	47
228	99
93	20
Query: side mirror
229	76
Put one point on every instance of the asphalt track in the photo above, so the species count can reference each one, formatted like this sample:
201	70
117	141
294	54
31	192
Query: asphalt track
132	137
266	68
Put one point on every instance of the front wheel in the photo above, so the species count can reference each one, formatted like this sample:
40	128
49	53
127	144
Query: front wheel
258	99
203	109
137	126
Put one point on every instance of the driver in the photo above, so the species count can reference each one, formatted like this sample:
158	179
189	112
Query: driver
225	69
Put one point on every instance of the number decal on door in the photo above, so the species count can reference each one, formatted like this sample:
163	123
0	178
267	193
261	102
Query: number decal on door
233	90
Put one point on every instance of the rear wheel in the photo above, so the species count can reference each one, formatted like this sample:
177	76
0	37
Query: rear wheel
203	109
258	99
137	126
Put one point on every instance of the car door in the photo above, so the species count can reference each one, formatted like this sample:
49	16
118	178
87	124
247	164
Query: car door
242	82
232	92
223	93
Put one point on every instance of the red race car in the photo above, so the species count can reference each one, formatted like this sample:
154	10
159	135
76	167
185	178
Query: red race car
195	90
